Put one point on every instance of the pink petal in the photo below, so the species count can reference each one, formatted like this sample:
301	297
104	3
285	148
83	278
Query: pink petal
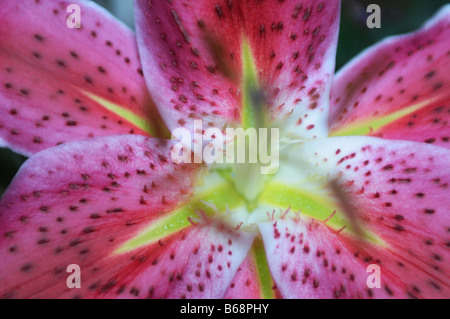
199	263
400	190
408	73
308	260
46	67
253	279
78	203
293	45
245	284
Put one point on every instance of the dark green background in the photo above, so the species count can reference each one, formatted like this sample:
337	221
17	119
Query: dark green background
398	16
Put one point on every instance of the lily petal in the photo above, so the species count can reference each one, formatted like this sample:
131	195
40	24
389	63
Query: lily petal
192	59
59	84
253	279
400	193
77	204
399	88
309	260
198	262
245	284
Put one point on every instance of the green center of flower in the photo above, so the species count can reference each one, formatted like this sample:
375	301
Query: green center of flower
251	190
249	179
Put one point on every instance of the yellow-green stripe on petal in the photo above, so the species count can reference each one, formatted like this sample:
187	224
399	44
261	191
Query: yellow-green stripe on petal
305	203
280	195
252	102
262	268
369	126
131	117
220	197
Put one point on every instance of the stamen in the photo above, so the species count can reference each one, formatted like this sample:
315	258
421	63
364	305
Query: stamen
213	207
202	218
272	218
348	209
296	216
192	222
340	230
286	212
331	216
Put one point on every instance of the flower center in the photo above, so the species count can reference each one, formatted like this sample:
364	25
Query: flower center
250	174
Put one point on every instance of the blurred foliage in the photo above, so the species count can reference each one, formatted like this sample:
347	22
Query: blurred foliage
398	16
9	164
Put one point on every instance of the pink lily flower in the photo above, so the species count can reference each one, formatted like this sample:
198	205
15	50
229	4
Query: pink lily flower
363	176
